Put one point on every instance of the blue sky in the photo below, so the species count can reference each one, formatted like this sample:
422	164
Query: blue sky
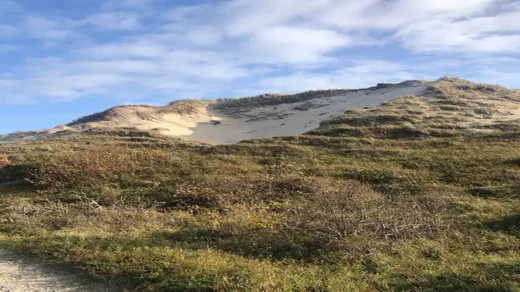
61	59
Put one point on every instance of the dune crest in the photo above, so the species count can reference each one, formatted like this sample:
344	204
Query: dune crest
224	122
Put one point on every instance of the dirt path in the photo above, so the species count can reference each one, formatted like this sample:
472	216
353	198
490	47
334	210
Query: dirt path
22	275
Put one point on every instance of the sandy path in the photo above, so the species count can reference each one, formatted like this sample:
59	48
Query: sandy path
22	275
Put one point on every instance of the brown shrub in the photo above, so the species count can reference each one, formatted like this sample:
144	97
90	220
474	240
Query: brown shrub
225	190
4	160
341	210
95	166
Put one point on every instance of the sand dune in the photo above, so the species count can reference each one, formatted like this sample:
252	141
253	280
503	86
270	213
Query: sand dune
207	124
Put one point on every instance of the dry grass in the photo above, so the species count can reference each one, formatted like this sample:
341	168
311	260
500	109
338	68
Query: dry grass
344	210
404	197
451	107
4	160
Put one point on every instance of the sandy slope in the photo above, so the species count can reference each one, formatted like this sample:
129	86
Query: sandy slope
17	275
258	122
291	119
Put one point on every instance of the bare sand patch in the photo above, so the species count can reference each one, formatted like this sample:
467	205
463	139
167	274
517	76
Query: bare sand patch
23	275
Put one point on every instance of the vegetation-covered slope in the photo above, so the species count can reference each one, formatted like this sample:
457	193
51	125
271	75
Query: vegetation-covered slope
230	105
450	107
411	196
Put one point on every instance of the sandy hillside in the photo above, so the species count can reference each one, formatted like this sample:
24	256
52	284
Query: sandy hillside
207	124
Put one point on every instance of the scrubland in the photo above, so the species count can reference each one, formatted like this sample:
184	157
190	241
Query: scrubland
419	194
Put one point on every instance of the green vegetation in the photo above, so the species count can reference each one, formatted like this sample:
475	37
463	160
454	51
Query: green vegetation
192	102
231	105
404	197
454	108
20	135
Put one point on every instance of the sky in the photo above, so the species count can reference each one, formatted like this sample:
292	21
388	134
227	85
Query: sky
63	59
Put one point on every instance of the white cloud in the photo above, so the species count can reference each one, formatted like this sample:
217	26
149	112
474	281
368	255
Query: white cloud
73	85
202	36
243	17
295	45
8	83
360	74
119	66
9	6
44	28
7	30
202	65
58	67
388	15
9	48
125	4
497	33
444	8
113	20
122	50
138	47
497	77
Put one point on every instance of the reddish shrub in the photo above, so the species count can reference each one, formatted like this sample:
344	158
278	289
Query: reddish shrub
4	160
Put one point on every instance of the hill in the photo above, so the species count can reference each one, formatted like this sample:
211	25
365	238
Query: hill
227	121
417	193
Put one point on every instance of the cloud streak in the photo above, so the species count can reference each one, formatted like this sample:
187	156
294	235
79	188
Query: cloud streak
146	48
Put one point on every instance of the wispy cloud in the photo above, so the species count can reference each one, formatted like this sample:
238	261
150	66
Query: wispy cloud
44	28
9	48
113	21
7	31
126	4
9	6
128	49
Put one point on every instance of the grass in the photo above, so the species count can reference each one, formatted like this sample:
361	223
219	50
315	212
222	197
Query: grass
453	108
192	102
378	209
231	105
180	107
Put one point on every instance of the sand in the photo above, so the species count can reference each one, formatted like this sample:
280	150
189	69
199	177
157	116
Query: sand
22	275
289	119
259	122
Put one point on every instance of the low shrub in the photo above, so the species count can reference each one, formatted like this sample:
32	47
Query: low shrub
342	210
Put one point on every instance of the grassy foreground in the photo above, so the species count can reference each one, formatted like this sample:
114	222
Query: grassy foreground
385	199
